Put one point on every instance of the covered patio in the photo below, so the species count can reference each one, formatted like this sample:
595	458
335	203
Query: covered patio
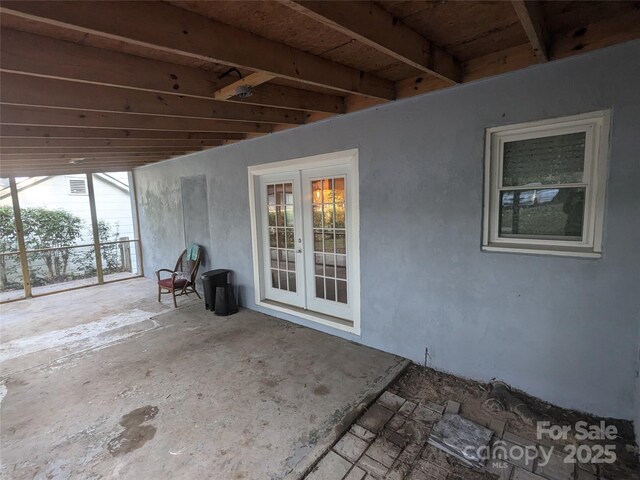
426	212
97	373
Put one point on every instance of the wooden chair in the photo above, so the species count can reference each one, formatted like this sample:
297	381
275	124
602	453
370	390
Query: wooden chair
183	277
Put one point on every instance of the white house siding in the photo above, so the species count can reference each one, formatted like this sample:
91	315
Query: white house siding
113	204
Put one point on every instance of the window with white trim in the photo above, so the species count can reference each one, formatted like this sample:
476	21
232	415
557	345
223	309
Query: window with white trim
545	186
77	186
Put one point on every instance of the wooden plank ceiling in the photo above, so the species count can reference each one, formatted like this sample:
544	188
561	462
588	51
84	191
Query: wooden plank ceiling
105	86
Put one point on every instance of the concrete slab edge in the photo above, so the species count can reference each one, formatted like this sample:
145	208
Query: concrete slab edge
324	445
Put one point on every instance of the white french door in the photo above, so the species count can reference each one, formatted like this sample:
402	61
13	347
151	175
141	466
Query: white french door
327	253
308	240
282	238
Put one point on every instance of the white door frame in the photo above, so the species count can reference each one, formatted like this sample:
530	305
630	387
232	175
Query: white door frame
348	158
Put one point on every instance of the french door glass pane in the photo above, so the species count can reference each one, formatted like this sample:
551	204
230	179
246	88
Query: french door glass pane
281	236
329	239
545	160
555	212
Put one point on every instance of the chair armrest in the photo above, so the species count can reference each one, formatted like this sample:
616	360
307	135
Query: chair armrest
173	274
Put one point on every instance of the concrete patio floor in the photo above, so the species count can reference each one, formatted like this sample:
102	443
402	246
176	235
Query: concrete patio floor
107	383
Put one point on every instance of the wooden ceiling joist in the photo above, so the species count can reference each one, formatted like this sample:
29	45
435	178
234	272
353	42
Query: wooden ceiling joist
36	91
248	82
94	150
68	143
21	115
530	14
37	55
105	155
48	132
370	24
177	31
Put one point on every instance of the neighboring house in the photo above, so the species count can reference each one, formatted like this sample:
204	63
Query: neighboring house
70	193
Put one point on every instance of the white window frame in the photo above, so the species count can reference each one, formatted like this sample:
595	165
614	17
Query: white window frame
596	126
341	158
79	178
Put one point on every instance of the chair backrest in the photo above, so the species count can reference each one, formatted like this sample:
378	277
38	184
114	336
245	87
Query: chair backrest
189	266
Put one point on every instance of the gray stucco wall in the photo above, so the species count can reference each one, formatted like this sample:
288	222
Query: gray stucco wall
563	329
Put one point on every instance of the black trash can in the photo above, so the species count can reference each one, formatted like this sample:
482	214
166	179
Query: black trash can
223	303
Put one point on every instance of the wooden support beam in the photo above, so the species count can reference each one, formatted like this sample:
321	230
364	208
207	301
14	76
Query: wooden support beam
171	29
46	132
250	81
19	115
94	229
600	34
530	15
370	24
73	155
67	170
46	92
17	216
92	150
45	144
38	55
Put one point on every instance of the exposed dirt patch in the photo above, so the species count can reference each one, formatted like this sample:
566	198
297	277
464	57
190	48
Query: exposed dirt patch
135	434
425	384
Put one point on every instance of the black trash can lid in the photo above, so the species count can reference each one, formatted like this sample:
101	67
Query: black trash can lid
214	273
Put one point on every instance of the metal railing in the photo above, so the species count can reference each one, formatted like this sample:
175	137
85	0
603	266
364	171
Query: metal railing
71	268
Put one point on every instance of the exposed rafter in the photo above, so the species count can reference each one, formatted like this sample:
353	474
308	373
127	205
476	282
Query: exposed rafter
171	29
370	24
530	15
52	132
48	143
94	150
28	90
20	115
37	55
250	81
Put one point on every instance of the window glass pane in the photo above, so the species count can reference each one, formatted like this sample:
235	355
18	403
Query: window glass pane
330	289
288	193
271	195
544	161
319	265
339	217
291	260
289	216
554	212
282	259
328	241
272	216
342	291
317	216
274	279
292	282
341	266
272	237
341	246
317	241
320	287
